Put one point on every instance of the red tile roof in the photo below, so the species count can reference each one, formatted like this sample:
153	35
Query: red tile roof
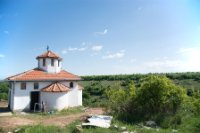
40	75
49	54
56	87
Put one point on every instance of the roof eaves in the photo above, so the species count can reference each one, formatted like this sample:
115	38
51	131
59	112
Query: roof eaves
18	75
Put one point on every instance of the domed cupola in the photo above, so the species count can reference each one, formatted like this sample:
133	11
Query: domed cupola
49	62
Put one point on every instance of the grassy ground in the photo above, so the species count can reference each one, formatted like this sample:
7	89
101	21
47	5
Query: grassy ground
190	124
55	113
72	129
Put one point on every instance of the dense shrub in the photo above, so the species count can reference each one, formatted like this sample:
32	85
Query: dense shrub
156	99
4	96
93	94
159	95
172	104
4	86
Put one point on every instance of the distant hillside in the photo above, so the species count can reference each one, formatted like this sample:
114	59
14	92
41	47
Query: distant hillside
188	80
173	76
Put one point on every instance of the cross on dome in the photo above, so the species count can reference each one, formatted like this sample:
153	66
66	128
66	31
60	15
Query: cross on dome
47	47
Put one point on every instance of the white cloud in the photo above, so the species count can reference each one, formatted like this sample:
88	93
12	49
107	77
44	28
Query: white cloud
133	60
122	51
117	55
187	59
83	44
64	51
163	63
190	58
82	49
105	31
2	56
97	48
185	50
190	54
77	49
6	32
101	33
73	49
93	54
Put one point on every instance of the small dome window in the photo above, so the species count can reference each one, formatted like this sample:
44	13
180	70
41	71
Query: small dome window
58	63
44	62
71	85
52	62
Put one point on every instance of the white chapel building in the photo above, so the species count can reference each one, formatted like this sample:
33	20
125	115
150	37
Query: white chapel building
48	85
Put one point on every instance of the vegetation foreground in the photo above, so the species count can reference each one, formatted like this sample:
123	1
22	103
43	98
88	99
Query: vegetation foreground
171	104
174	105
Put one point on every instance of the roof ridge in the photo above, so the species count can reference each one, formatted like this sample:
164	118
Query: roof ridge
58	86
49	54
54	85
51	87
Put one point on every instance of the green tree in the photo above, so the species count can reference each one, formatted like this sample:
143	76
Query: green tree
4	86
158	94
119	98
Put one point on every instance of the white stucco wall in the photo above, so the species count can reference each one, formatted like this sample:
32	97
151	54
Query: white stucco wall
80	98
63	100
20	99
74	96
48	67
55	100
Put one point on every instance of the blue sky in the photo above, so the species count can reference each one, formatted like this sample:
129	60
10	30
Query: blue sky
101	36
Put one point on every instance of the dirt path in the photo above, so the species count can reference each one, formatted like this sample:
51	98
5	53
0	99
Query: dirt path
16	121
13	122
65	120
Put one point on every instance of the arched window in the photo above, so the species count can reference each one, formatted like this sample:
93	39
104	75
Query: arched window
52	62
58	63
44	62
71	85
36	85
23	85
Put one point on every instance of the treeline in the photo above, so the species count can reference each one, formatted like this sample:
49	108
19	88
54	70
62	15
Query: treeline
136	77
4	86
